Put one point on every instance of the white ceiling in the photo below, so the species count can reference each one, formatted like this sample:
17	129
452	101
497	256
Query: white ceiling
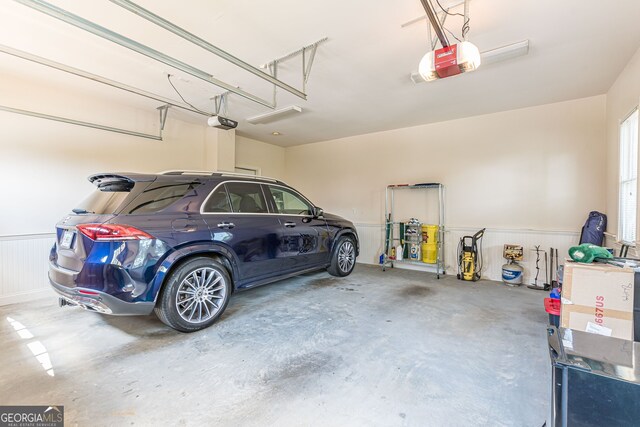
360	78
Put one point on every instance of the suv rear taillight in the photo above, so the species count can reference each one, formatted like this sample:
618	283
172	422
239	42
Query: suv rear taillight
112	232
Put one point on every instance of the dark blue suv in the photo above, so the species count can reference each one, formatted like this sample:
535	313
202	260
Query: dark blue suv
180	243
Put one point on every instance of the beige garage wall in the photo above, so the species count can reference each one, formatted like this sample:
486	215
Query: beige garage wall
535	168
45	163
44	166
530	176
254	154
622	98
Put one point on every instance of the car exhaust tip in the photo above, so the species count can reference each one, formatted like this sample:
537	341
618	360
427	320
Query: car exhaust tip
62	302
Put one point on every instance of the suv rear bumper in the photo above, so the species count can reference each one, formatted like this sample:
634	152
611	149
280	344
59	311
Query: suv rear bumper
93	300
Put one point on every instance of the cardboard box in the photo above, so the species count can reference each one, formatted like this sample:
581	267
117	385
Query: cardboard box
598	298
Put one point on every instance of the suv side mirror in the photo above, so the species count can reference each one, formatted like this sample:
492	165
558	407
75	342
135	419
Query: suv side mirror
318	212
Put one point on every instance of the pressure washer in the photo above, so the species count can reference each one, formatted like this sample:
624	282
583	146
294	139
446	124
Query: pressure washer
470	257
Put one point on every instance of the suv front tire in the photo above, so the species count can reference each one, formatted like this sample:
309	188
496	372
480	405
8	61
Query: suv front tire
343	259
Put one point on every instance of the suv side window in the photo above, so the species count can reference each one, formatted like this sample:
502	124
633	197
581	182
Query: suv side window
218	201
246	197
288	202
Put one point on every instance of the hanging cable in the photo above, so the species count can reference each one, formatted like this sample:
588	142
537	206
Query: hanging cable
452	35
184	100
465	24
447	11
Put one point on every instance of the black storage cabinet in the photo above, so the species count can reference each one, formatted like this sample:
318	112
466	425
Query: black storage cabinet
595	380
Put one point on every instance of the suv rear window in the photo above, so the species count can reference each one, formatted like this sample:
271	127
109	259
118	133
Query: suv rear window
102	202
139	199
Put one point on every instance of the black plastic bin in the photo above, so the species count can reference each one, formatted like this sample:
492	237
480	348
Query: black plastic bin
595	380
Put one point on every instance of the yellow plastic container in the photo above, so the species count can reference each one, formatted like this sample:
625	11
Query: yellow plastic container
429	253
430	234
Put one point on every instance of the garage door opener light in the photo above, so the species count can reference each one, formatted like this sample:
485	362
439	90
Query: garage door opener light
272	116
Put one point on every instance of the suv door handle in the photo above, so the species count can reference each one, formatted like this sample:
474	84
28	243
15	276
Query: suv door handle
226	225
289	224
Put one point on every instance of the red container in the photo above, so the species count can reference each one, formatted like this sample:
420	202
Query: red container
552	306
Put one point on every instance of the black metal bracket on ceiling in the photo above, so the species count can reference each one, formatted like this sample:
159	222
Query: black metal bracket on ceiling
162	110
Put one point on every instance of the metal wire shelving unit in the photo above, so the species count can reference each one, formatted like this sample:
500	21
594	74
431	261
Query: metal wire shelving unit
389	238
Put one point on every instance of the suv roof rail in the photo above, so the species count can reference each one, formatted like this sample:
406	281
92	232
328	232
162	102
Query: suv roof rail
244	175
184	172
220	173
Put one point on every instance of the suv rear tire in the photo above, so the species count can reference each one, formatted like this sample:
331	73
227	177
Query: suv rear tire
195	295
343	259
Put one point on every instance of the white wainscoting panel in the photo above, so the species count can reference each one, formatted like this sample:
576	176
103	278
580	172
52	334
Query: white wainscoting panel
24	259
371	246
495	239
370	236
24	263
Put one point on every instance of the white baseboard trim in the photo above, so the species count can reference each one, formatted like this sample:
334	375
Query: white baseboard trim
27	296
372	235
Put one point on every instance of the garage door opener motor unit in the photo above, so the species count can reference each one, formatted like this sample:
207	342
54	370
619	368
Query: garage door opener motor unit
470	257
449	61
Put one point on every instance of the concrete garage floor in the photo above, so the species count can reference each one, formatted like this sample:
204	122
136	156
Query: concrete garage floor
395	348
